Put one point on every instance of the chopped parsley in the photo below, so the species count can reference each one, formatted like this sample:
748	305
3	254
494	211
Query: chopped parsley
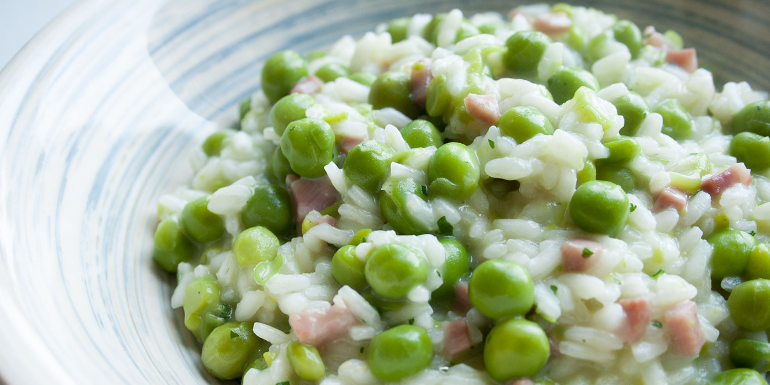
444	227
554	289
752	233
424	190
233	335
411	321
657	273
657	324
491	143
361	350
633	207
363	240
587	253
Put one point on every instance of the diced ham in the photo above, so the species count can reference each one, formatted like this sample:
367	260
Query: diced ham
483	108
420	80
309	85
347	143
319	326
552	24
638	312
670	197
521	381
517	11
328	219
737	173
462	302
310	194
578	255
655	38
684	328
686	58
457	339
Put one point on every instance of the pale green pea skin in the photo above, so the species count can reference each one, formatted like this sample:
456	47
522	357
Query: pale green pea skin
212	319
454	171
281	73
290	108
738	377
397	28
587	173
500	288
268	206
171	245
751	149
749	304
214	143
634	110
617	174
524	122
257	363
365	78
676	121
347	269
393	269
732	251
360	236
599	207
399	352
525	49
201	224
750	354
244	108
306	361
622	150
456	265
421	133
567	80
516	341
393	89
228	349
439	100
200	295
754	117
279	166
255	245
308	144
368	164
759	262
629	34
395	211
331	71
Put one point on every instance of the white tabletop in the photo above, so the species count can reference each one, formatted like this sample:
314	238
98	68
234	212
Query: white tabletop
20	20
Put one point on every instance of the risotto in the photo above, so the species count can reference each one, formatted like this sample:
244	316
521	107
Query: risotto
552	196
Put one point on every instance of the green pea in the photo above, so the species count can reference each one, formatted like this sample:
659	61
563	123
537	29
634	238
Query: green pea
393	89
525	49
597	46
421	133
524	122
439	100
465	31
759	262
393	269
456	265
281	73
749	304
228	349
676	121
382	304
201	224
490	28
397	28
567	80
255	245
399	352
754	117
393	204
214	143
500	288
618	175
599	207
368	164
587	173
347	269
454	171
751	149
430	32
738	377
331	71
515	341
244	108
308	144
745	353
171	245
306	361
290	108
268	206
200	295
279	167
633	109
258	363
360	237
212	319
629	34
622	150
365	78
732	250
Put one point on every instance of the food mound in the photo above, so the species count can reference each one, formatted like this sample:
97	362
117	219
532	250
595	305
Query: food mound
548	197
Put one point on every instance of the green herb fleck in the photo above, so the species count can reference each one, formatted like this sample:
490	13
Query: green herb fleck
554	289
411	321
424	190
587	253
444	227
752	233
361	350
233	335
438	273
491	143
657	324
633	207
283	383
363	239
658	273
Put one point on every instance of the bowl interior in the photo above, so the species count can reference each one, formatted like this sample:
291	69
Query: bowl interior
97	116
